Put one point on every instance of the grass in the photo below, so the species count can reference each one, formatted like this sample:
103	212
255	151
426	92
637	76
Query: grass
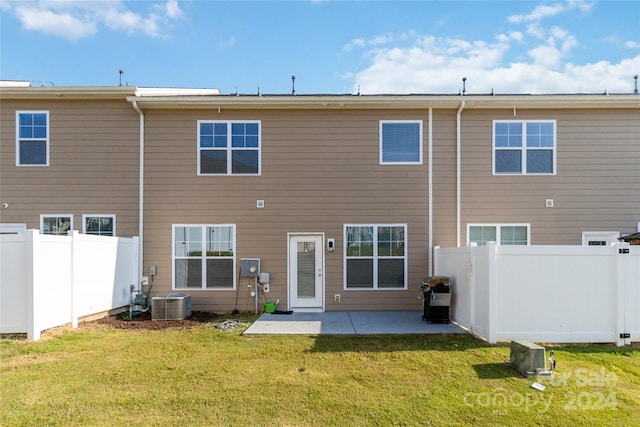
202	376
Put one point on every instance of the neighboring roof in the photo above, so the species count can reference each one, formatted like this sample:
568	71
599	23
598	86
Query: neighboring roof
169	91
14	83
66	92
24	90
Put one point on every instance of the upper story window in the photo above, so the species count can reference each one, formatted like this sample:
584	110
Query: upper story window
99	225
400	142
204	256
58	224
502	234
524	147
32	138
228	147
375	257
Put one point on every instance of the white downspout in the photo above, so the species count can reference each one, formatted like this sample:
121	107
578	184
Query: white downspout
140	198
458	186
431	191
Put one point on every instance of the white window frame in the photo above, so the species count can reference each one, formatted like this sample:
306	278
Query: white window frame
203	257
229	148
58	216
420	142
45	140
498	227
524	149
375	258
87	216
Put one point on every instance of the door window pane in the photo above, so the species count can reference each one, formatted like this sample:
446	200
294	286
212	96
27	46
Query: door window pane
306	274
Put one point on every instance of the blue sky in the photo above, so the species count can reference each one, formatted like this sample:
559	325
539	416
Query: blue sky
331	47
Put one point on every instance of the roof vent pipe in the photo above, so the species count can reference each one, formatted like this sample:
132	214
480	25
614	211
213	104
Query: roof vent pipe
293	85
635	78
464	86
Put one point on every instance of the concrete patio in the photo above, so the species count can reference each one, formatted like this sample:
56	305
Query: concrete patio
349	323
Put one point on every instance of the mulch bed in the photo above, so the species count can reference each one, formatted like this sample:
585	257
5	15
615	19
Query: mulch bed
143	321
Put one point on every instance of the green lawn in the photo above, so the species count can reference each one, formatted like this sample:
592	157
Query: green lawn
97	375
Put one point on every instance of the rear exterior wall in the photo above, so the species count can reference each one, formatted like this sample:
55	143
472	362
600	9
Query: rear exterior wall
320	170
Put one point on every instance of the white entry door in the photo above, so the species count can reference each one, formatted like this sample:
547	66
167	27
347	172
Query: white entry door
306	272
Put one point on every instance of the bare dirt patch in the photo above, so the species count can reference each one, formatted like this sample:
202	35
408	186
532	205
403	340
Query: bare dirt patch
143	321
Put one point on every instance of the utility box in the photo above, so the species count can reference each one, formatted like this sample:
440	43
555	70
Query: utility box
249	267
528	358
171	307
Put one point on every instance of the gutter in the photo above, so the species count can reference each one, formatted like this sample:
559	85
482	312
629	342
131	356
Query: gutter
140	196
458	186
430	191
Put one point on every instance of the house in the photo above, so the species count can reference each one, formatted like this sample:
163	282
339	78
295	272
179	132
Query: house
341	198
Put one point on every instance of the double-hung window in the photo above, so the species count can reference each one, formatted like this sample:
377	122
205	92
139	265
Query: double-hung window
400	142
375	256
524	147
228	147
204	256
99	225
502	234
57	224
32	138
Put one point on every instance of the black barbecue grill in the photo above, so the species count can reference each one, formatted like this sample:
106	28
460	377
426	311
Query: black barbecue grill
436	291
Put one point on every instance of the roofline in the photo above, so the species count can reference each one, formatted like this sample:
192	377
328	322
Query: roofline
67	92
24	91
180	98
386	101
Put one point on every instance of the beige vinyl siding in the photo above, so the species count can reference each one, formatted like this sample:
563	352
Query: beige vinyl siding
444	178
319	171
595	186
93	167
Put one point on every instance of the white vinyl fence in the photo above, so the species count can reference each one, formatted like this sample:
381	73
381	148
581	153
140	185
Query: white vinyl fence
48	281
550	294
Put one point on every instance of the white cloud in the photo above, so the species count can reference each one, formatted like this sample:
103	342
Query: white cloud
223	44
82	18
632	44
354	44
378	40
54	22
535	30
173	9
530	59
546	56
545	11
437	65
